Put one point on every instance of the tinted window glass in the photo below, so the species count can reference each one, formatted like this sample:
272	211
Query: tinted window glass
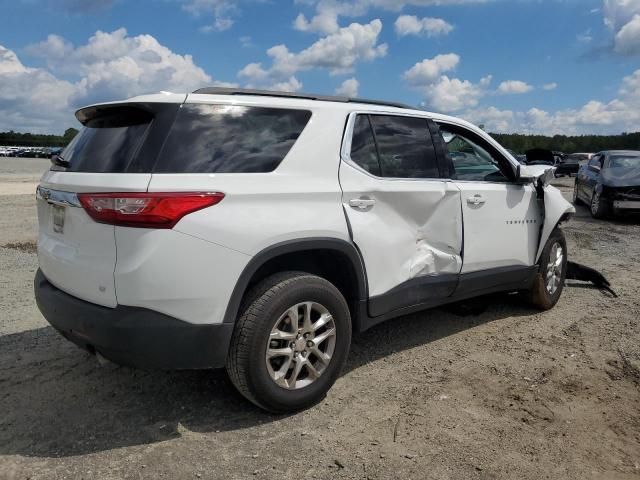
470	161
230	139
363	146
624	161
108	142
405	147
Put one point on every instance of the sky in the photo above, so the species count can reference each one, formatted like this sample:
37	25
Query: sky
527	66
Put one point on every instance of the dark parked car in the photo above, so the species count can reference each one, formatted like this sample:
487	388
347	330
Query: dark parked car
610	183
540	156
570	164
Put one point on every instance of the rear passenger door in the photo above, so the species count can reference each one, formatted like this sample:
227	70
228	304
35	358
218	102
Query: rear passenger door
404	217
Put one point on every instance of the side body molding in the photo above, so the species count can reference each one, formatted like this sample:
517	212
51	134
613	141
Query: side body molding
342	247
556	210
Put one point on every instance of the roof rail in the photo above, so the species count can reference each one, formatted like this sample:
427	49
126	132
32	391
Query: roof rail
305	96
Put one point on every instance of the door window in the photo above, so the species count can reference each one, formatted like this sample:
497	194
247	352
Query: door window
394	147
471	161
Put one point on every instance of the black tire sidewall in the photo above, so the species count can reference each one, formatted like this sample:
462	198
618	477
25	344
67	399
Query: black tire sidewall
556	237
271	395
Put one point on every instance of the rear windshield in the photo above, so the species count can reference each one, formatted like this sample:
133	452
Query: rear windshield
108	142
230	139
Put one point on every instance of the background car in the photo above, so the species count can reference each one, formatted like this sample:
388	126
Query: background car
610	183
570	164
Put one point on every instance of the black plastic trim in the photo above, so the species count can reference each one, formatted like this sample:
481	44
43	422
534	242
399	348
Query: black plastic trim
304	96
502	279
133	336
291	246
421	290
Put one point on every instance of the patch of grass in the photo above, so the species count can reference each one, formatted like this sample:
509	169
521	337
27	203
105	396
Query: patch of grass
27	247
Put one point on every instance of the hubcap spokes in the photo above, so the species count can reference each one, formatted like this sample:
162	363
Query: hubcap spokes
554	268
300	346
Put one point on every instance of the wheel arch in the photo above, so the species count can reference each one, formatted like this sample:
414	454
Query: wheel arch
556	211
338	261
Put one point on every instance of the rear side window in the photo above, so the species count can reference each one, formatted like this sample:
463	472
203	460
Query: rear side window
230	139
108	142
394	147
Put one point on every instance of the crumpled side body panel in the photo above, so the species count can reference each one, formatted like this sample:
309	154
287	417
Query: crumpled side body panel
416	225
555	207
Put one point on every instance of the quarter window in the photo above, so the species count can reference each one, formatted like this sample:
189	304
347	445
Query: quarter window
230	139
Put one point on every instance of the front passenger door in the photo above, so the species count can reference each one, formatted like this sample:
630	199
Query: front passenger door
501	219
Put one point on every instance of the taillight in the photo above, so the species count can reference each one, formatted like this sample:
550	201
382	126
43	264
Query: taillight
145	210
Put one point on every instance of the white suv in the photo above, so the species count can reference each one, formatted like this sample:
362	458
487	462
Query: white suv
259	230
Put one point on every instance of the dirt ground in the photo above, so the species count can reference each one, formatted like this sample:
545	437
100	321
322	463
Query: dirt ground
507	393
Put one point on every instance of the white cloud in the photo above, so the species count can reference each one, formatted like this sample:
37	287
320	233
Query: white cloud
324	22
221	10
110	66
32	99
338	53
329	11
114	65
429	70
440	92
431	27
627	40
292	84
349	88
514	87
451	95
618	115
623	18
550	86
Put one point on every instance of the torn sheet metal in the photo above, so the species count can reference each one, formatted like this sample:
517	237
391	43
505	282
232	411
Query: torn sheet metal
555	207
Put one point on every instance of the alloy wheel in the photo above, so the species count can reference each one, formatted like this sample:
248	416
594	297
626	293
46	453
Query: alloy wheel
301	345
554	268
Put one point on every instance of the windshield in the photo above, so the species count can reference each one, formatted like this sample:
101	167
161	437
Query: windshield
624	161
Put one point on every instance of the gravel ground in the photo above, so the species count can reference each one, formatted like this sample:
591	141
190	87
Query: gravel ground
501	393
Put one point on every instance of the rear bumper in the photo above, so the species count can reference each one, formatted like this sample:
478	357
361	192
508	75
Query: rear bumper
133	336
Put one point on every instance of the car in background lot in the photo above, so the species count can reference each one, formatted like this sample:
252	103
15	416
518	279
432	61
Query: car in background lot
610	183
570	164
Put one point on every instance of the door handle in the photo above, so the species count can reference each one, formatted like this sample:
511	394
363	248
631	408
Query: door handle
476	200
362	203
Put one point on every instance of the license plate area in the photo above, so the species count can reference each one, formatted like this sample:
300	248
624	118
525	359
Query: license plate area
58	213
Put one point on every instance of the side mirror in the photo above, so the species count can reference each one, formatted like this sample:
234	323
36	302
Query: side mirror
523	179
595	168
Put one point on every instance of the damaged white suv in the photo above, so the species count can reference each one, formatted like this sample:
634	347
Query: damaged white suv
257	231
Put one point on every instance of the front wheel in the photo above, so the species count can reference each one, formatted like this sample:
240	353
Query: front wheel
552	271
599	207
290	342
576	198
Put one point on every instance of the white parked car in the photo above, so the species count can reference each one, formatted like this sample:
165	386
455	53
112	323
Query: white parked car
257	231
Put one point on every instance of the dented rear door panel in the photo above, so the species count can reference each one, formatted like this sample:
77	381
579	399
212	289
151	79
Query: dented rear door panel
405	229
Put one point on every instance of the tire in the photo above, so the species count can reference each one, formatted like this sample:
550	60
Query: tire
576	197
599	207
269	305
541	295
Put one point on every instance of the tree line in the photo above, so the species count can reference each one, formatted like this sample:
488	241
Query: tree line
11	138
562	143
517	142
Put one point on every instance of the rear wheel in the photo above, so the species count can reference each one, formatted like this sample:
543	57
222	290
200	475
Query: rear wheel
290	342
552	271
